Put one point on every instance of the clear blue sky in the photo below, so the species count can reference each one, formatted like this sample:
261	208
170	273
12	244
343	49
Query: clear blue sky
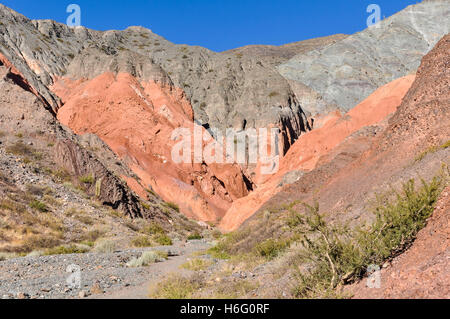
218	24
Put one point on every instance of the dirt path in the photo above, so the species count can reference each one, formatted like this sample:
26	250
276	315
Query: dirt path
157	272
100	275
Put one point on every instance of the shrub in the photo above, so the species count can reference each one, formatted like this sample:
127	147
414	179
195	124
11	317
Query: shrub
218	252
153	228
105	247
66	250
271	248
35	242
37	205
84	219
61	175
163	240
145	205
197	264
216	234
147	258
88	179
131	225
142	241
195	236
176	287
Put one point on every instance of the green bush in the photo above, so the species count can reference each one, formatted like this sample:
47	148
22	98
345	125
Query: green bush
195	236
153	228
39	206
142	241
163	240
271	248
172	206
66	250
88	179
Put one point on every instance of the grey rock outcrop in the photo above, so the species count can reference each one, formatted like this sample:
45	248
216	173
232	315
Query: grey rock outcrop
344	73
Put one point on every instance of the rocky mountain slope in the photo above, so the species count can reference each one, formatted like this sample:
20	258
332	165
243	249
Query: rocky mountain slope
312	150
224	91
86	165
346	72
172	85
55	187
412	143
271	256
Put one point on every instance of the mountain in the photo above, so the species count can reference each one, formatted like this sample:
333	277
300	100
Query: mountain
346	72
87	160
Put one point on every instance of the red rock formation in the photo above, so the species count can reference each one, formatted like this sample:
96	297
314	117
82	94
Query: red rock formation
136	119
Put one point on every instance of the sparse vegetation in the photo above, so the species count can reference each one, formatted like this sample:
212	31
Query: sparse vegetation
271	248
88	179
142	241
432	149
66	250
337	254
19	148
6	256
234	290
195	236
176	287
172	206
92	235
37	242
153	229
105	247
197	264
39	206
147	258
61	175
163	240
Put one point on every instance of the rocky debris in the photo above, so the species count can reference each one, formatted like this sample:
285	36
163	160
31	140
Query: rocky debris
346	72
46	277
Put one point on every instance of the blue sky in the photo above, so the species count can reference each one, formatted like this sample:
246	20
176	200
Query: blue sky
218	24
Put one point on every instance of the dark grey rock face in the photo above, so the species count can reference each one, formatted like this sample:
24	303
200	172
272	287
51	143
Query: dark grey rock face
346	72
